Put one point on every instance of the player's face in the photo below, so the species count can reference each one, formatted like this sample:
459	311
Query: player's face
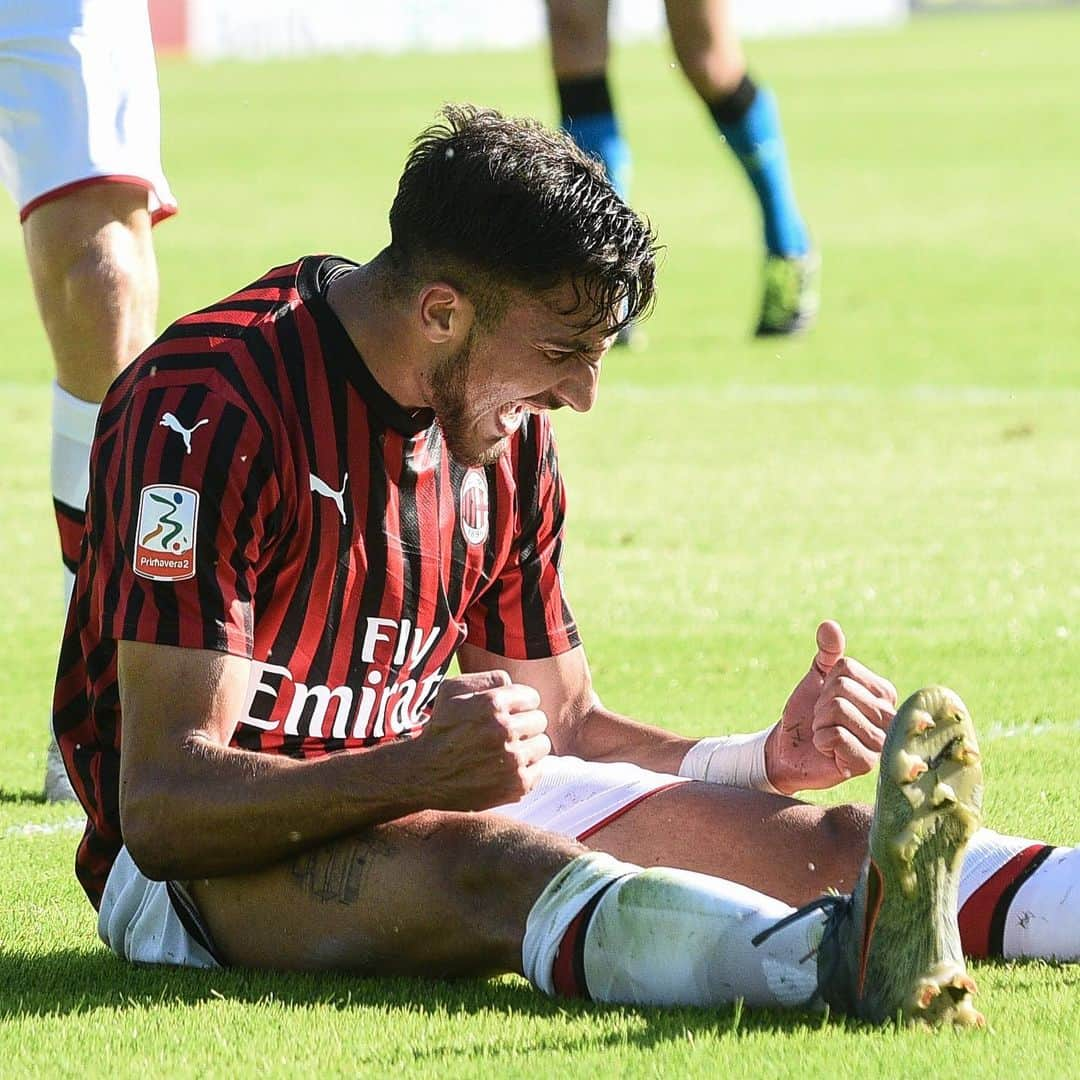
537	358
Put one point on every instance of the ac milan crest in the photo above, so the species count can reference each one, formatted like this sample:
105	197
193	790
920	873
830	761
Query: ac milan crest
474	507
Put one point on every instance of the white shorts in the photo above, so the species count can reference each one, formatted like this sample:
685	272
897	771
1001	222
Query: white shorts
156	922
79	101
151	922
576	798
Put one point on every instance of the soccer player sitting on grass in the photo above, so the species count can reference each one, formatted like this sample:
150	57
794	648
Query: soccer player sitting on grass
308	499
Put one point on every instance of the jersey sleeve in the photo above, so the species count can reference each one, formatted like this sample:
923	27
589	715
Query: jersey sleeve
524	613
184	507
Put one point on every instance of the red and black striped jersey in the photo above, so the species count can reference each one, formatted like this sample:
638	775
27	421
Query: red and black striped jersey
254	490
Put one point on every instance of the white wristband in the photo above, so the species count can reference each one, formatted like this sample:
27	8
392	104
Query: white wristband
735	760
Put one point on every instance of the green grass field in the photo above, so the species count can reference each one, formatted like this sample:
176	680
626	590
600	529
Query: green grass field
910	469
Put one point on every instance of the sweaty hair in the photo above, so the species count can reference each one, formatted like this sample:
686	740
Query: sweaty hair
490	202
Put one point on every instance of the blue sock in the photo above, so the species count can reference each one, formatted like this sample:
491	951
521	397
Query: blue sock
589	118
599	135
750	122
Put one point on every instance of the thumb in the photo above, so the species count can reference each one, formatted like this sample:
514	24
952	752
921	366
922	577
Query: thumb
474	682
830	646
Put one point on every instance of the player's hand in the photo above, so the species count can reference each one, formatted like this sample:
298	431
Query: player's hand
484	742
834	724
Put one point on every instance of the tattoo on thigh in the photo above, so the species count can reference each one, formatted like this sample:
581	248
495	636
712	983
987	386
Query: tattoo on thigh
333	874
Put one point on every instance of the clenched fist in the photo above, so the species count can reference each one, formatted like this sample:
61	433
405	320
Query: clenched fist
484	742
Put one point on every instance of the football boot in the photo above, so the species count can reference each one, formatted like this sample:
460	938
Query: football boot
790	298
891	950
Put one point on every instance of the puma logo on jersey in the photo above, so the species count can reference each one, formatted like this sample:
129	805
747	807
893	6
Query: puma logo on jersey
320	487
169	420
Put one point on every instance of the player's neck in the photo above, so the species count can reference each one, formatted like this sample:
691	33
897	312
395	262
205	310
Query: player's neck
380	330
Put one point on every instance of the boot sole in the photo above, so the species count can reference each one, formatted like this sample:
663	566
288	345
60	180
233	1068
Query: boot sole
928	807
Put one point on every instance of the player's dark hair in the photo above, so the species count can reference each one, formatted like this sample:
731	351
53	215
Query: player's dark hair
502	202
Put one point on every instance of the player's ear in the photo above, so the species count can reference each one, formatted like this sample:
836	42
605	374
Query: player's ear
445	313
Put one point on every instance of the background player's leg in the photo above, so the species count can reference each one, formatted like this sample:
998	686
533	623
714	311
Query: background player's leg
780	846
708	49
578	32
707	46
92	264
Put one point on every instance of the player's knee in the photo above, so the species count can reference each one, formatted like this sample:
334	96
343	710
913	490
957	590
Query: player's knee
847	829
100	307
110	277
492	855
712	67
704	73
471	862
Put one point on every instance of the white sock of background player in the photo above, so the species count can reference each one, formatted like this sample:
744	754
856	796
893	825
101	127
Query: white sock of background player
73	422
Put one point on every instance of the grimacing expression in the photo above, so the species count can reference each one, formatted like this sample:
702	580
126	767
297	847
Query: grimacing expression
449	399
538	358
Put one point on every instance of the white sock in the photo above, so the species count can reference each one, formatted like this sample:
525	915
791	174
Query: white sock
1020	898
665	937
73	423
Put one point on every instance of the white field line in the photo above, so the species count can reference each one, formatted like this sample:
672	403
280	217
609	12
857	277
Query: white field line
32	829
995	733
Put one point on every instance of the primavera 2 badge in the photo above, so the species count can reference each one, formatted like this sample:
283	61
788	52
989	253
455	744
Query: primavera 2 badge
165	535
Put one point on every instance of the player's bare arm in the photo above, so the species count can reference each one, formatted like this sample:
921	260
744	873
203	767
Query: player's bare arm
190	803
832	727
578	722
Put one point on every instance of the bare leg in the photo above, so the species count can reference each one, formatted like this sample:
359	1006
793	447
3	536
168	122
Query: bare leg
710	54
447	894
578	31
92	263
436	894
707	46
784	848
441	895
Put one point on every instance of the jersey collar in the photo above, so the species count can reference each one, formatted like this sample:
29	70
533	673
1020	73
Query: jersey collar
316	274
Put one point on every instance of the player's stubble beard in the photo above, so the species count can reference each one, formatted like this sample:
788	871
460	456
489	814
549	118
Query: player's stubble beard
450	400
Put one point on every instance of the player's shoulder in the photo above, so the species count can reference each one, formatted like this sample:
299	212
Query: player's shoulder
185	402
223	350
185	391
269	296
250	325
